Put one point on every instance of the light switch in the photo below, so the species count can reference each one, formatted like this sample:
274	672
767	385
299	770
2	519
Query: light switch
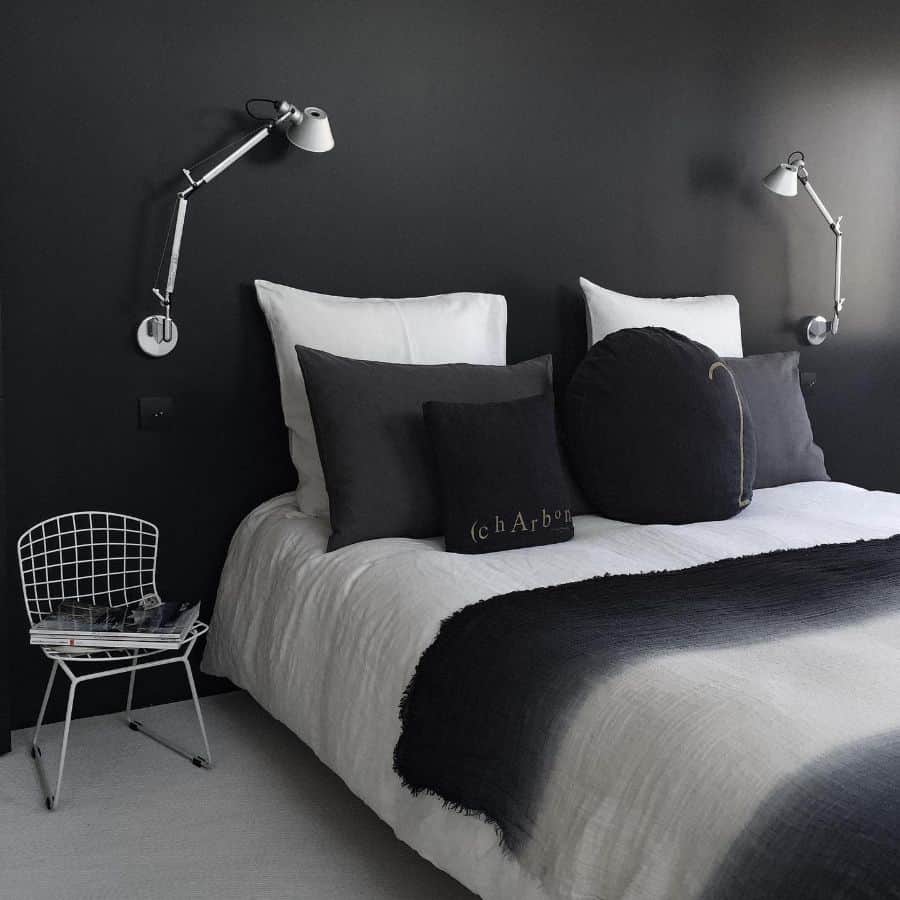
156	413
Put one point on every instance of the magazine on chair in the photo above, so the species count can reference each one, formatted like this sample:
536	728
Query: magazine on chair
152	624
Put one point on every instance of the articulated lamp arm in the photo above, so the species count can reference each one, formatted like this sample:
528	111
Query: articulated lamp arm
835	226
783	180
160	333
308	130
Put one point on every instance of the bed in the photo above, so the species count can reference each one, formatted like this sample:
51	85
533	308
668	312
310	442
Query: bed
693	748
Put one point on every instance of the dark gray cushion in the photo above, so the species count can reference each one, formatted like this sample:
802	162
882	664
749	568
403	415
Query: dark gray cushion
378	463
785	451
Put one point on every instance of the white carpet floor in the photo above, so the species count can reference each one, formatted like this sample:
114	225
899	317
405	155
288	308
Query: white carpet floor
136	821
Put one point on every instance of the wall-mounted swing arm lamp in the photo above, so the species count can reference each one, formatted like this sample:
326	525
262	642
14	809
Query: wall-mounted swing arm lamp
783	180
309	130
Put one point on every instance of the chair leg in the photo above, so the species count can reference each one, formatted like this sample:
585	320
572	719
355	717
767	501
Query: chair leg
40	721
202	762
53	800
190	677
35	748
134	660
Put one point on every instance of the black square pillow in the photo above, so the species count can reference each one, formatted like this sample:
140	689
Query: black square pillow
378	465
785	450
500	474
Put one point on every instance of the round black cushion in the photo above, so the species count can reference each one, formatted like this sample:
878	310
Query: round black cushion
658	431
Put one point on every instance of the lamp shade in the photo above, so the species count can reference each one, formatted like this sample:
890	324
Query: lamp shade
312	131
782	180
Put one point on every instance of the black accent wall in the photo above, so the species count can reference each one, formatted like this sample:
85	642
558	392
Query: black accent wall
505	147
5	706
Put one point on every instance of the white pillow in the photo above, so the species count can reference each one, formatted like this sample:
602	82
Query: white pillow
445	328
714	320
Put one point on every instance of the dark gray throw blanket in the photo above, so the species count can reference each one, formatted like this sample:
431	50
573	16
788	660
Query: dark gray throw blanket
493	697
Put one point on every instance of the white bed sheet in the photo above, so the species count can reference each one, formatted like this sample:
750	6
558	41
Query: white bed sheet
327	642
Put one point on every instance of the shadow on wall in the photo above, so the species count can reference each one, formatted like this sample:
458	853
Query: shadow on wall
754	237
714	174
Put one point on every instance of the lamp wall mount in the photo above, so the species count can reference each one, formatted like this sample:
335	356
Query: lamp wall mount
310	129
783	180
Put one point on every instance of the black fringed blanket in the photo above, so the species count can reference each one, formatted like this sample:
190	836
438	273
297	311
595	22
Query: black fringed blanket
524	711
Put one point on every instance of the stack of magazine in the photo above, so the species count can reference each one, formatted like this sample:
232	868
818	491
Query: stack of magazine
150	624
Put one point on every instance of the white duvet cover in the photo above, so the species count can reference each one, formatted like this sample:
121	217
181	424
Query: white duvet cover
328	642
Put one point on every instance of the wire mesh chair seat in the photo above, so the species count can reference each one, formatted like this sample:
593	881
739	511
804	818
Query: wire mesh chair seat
95	562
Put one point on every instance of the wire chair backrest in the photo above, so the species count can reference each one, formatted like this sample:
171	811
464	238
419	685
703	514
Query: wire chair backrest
92	558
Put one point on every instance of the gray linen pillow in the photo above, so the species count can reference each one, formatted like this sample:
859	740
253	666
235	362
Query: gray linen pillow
378	462
785	450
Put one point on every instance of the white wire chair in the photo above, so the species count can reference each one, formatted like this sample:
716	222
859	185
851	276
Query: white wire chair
106	560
